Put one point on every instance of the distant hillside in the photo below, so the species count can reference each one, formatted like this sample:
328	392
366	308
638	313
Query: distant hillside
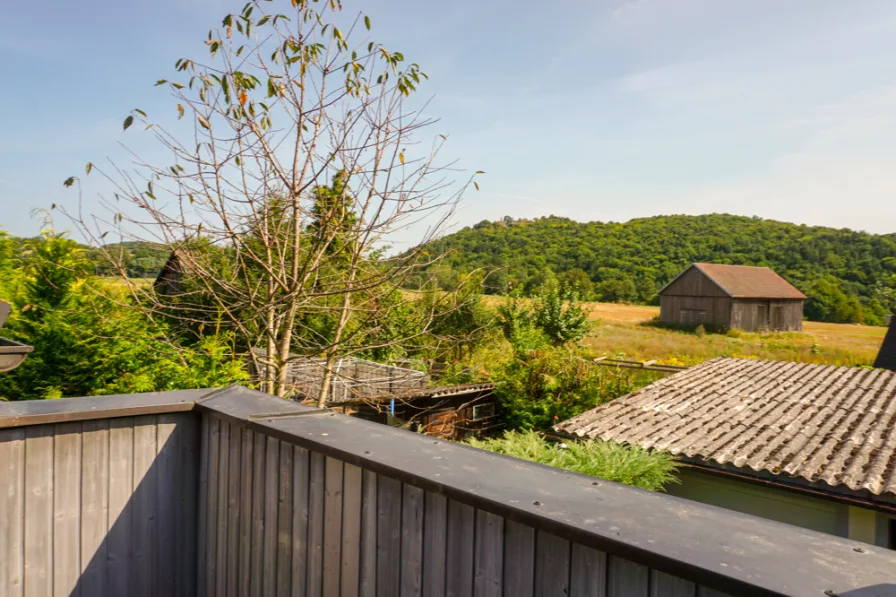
141	259
850	276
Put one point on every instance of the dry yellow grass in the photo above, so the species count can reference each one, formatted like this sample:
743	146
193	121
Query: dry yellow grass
625	331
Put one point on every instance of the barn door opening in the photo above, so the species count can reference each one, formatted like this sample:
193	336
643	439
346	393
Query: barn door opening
777	318
761	317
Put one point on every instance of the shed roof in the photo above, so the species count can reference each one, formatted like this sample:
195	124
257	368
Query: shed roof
886	358
425	392
816	422
746	281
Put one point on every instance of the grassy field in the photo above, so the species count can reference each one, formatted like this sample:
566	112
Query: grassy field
625	331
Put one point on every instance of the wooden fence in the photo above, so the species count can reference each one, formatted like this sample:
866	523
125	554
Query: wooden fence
247	494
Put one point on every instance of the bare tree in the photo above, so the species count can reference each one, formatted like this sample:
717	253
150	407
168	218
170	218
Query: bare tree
298	164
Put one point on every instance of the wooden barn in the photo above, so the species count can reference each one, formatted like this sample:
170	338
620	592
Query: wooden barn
732	297
886	358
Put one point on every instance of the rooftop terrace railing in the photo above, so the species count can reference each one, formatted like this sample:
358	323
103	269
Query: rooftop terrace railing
233	492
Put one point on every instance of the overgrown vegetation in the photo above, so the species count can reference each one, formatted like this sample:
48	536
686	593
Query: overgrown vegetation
849	276
607	460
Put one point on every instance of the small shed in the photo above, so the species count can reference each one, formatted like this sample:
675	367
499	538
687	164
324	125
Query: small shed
886	358
732	297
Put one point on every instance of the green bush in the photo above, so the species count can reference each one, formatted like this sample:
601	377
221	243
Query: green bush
631	465
539	388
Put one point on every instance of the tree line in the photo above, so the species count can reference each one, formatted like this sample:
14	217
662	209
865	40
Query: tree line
849	276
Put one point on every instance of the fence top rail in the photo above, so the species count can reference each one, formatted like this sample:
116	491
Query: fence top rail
39	412
725	550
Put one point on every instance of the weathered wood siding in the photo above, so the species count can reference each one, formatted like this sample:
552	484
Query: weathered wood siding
695	310
694	282
311	525
97	508
779	315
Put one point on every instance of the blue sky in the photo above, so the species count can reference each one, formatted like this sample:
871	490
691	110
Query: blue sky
605	110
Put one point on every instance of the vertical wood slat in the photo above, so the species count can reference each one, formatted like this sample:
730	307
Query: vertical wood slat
39	511
271	483
143	503
12	512
245	532
412	504
284	524
221	488
121	483
435	541
66	509
552	556
588	572
202	530
351	530
314	575
211	540
332	552
519	559
187	532
301	478
233	508
369	515
665	585
489	557
259	491
461	536
388	541
94	506
626	578
167	462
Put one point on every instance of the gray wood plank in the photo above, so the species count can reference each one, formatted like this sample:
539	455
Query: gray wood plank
626	578
66	509
94	506
233	508
367	582
519	559
12	512
284	518
707	592
222	488
301	478
245	539
489	557
588	573
39	511
352	487
412	505
666	585
202	545
211	554
461	537
186	530
552	555
388	544
316	490
332	526
435	543
143	504
166	463
259	491
271	483
121	486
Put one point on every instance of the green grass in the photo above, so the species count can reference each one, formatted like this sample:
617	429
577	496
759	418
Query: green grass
605	460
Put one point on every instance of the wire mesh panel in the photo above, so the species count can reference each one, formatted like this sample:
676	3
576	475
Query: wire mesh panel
353	378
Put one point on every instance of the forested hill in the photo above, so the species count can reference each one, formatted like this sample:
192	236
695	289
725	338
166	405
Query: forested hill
849	276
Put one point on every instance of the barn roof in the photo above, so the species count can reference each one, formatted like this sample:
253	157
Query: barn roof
835	425
746	281
886	358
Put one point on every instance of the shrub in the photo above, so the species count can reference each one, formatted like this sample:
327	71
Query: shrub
631	465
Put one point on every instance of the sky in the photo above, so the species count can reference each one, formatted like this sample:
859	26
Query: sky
593	110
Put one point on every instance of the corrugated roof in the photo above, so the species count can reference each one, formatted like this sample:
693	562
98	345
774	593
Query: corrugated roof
817	422
747	281
886	358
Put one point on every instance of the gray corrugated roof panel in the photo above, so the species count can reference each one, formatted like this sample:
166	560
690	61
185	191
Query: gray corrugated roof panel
817	422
